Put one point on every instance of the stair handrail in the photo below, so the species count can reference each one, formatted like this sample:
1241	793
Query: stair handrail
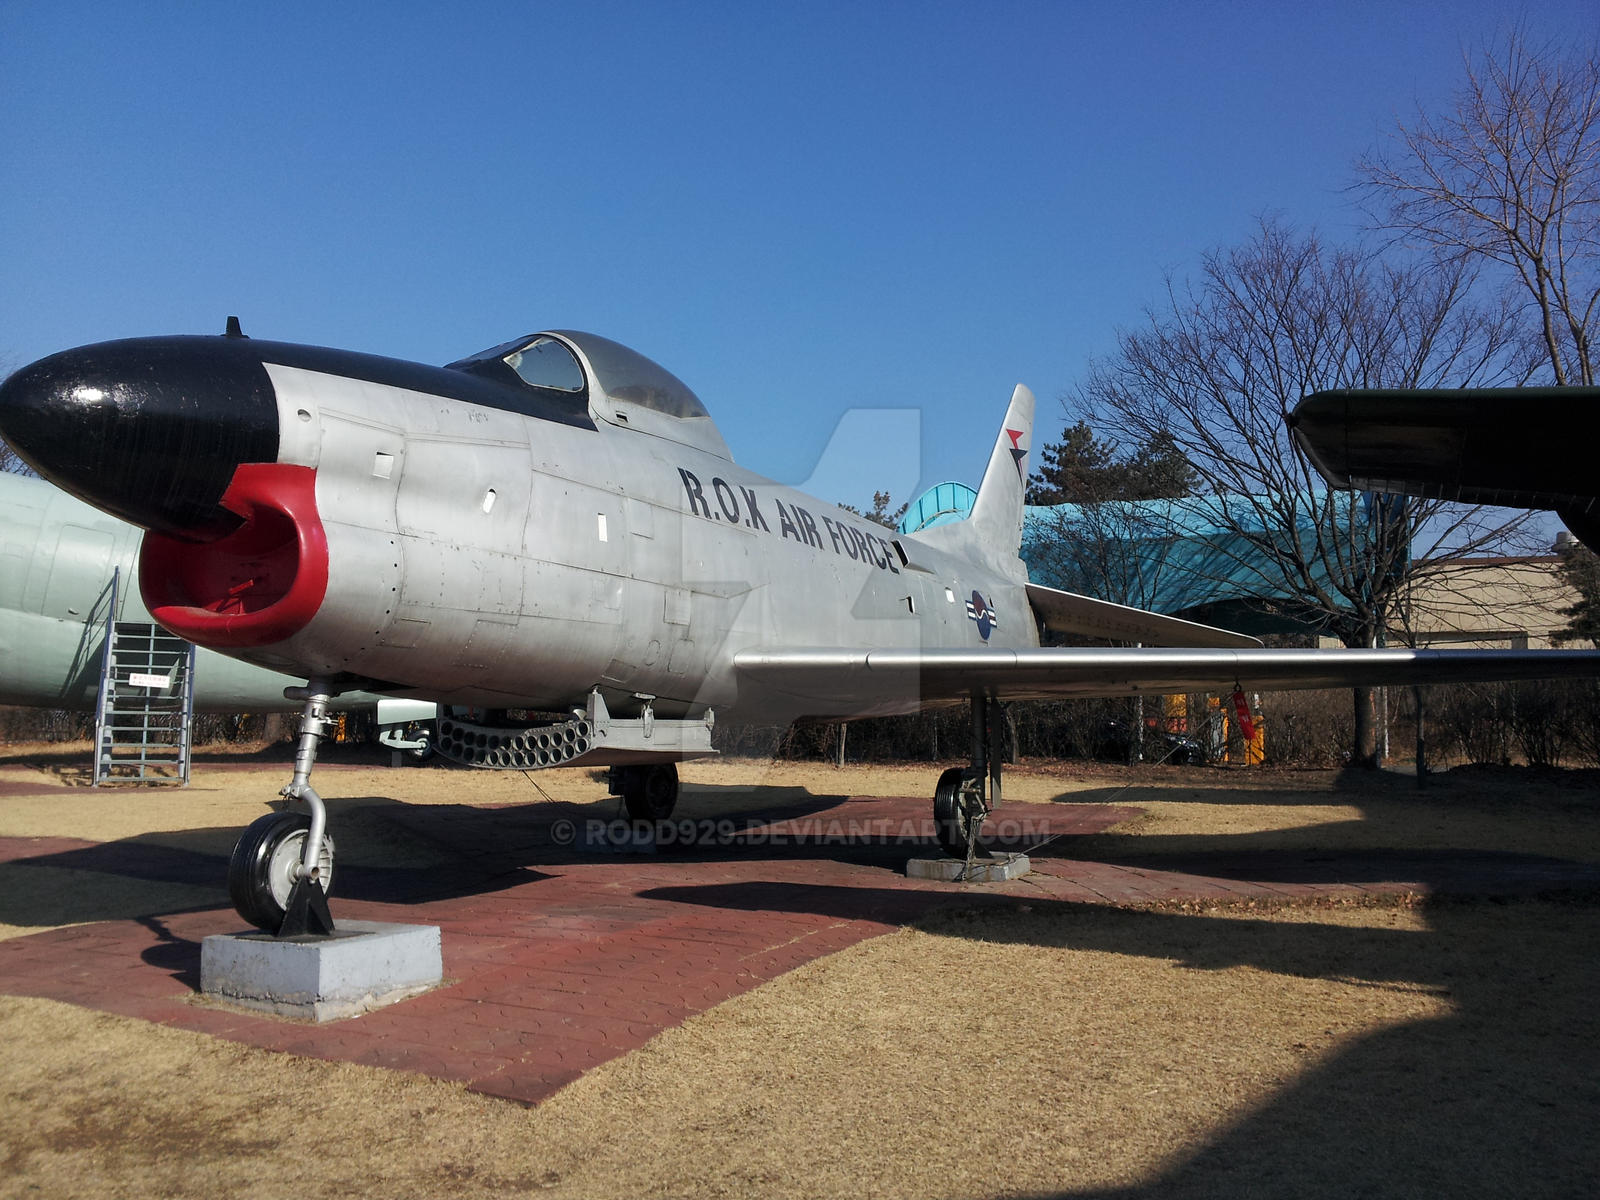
107	684
186	729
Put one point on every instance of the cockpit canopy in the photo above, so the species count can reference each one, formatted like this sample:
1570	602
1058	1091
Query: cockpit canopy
618	386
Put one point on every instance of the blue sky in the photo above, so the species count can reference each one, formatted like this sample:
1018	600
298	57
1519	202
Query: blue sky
804	210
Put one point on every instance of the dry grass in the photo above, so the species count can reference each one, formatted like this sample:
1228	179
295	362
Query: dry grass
1379	1051
1406	1049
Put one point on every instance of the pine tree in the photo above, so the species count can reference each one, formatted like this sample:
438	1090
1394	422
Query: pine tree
1580	568
1084	469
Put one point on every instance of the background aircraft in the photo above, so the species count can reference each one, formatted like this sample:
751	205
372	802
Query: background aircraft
58	556
553	531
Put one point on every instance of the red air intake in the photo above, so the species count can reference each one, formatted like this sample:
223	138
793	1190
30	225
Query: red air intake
257	585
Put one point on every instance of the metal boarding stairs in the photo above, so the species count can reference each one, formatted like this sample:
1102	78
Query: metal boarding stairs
145	710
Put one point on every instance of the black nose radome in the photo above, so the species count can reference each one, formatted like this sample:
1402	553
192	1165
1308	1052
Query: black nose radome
149	429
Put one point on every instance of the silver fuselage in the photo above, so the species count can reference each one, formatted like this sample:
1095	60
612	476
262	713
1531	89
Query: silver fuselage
484	557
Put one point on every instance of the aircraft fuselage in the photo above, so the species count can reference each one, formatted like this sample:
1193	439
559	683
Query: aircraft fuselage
438	533
527	562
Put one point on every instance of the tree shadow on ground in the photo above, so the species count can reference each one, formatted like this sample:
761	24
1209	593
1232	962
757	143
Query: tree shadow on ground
178	956
1498	1098
1548	814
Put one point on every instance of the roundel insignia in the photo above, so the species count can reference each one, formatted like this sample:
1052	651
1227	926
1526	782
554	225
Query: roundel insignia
979	610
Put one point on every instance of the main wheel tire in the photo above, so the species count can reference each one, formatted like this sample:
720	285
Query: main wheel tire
956	812
261	869
423	752
651	793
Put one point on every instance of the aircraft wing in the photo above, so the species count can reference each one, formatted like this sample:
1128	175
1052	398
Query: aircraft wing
1521	447
895	680
1068	612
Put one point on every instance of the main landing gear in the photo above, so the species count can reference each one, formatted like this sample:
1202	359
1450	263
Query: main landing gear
966	795
281	870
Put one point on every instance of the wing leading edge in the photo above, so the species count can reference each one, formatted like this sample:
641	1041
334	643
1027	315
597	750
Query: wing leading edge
835	683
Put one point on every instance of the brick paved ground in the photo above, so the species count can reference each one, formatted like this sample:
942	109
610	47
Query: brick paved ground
558	960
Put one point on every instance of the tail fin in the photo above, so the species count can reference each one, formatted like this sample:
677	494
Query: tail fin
997	512
993	531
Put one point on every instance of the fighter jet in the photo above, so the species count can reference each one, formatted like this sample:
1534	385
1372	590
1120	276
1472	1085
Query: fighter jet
554	533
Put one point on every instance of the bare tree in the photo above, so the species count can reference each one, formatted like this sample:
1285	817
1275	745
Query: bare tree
1115	549
10	460
1218	367
1510	175
1091	528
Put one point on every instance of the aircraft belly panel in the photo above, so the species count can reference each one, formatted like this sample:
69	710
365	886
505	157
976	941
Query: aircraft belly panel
486	645
468	579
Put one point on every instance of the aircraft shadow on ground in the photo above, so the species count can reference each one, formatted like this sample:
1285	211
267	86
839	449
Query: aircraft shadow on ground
1289	787
1241	786
401	853
388	851
1392	814
188	872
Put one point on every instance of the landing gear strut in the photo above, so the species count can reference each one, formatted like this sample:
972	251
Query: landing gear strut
961	801
282	867
649	792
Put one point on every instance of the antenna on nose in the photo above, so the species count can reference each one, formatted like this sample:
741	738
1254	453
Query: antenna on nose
233	330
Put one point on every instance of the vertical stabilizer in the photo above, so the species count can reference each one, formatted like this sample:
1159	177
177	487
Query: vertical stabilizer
993	532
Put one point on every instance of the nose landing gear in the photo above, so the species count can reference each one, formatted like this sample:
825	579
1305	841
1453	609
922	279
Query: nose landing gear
650	792
281	870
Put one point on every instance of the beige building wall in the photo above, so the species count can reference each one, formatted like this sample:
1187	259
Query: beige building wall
1490	603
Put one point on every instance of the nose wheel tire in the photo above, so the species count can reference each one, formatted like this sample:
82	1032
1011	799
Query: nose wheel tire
649	793
261	870
957	812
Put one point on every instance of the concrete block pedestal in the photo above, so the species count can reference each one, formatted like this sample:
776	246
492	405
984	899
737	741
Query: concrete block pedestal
364	965
986	868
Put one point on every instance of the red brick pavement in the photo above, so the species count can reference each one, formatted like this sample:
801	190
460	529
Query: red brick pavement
557	961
